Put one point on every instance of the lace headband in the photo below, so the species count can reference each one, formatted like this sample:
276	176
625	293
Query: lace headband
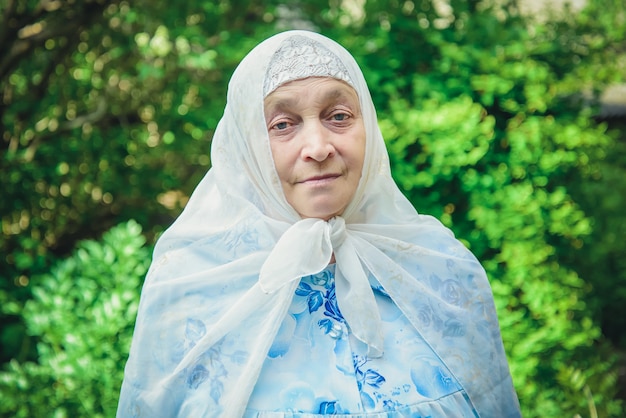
299	57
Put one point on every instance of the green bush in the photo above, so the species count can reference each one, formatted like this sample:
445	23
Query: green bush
511	216
82	316
105	116
489	118
486	131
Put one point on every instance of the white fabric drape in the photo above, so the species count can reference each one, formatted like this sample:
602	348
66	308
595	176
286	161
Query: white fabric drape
224	274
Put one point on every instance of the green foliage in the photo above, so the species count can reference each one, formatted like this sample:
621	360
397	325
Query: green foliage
107	114
602	192
82	315
512	215
484	132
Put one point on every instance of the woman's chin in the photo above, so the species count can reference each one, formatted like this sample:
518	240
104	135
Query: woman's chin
324	213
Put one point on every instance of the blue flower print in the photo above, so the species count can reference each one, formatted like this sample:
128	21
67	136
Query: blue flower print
217	388
369	381
328	408
282	342
369	377
331	328
391	405
322	278
197	376
424	316
398	390
332	309
210	365
427	317
194	330
242	239
431	378
453	292
315	298
450	264
453	328
328	298
435	281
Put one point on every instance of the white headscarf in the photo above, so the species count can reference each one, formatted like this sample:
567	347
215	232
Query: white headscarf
224	274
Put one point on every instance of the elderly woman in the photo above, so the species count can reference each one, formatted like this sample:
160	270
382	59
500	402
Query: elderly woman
299	281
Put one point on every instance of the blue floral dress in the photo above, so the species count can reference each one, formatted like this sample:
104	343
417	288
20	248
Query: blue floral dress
316	368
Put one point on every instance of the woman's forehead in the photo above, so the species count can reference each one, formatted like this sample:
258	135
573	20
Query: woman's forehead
331	87
322	90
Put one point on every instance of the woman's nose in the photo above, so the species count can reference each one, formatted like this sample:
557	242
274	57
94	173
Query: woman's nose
317	143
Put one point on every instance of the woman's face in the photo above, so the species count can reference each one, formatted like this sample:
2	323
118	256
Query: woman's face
317	138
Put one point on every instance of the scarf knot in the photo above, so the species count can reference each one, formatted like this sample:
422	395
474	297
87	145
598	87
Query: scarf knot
338	231
305	248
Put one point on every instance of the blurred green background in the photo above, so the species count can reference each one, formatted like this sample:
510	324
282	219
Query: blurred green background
505	121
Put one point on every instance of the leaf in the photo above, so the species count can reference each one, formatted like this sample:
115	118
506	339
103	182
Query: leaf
315	300
373	378
194	329
303	289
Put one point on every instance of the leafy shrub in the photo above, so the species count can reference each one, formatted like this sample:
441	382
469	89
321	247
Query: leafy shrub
481	109
483	132
82	316
503	205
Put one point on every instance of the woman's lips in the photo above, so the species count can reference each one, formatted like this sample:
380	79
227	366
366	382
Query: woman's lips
321	179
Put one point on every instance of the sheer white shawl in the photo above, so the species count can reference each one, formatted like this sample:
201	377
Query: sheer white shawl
224	274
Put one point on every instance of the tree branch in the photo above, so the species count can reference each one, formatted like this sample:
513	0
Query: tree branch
5	26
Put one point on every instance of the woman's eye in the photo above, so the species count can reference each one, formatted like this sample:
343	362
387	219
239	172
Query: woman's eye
340	116
280	126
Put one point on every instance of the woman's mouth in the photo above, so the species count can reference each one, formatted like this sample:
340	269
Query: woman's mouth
320	179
